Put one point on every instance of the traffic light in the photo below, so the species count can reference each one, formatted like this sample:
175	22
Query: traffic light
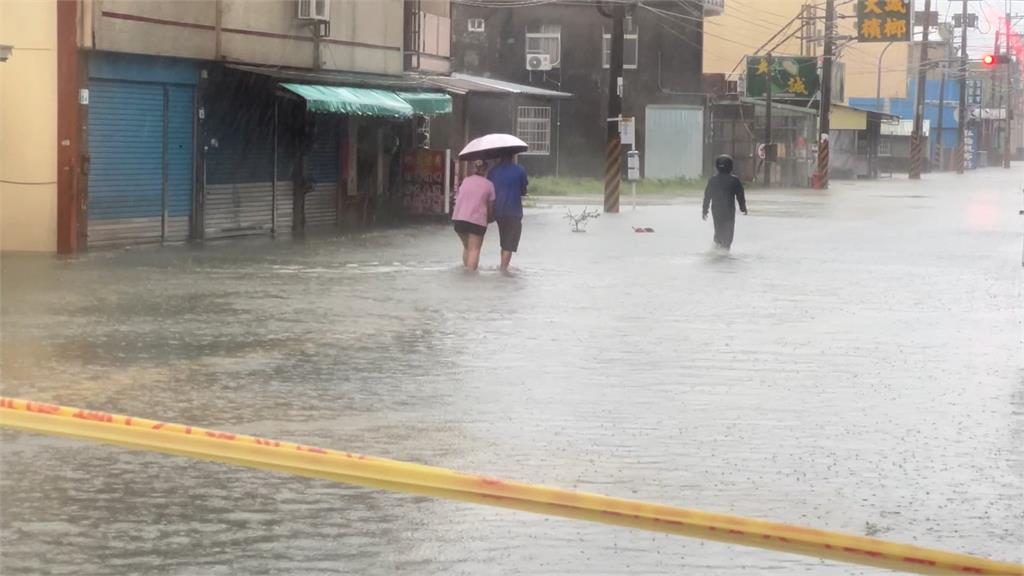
990	60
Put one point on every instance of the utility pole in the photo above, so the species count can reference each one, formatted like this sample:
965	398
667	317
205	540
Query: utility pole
613	160
940	165
1007	153
768	125
916	158
961	149
826	94
997	96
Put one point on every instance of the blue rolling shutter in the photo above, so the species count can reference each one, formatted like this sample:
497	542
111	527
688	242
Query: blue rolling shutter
180	172
126	134
127	139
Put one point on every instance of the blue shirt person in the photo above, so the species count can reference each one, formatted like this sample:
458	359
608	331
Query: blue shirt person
510	183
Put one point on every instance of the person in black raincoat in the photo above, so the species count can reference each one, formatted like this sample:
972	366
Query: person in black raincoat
721	195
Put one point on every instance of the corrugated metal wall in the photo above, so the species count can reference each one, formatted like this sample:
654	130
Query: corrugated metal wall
140	137
673	142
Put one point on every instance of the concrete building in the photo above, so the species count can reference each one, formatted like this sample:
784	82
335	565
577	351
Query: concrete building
209	118
28	126
565	48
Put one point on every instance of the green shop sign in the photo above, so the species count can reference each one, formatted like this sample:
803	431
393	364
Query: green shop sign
793	77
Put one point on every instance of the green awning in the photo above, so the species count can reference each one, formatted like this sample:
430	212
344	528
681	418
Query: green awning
355	101
428	103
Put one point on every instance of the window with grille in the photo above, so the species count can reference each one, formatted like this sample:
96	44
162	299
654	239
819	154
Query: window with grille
533	126
477	24
885	147
545	39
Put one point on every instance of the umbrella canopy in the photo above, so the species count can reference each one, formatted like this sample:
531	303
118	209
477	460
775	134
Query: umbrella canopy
493	146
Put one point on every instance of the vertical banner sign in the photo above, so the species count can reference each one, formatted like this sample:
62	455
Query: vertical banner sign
792	77
883	20
423	178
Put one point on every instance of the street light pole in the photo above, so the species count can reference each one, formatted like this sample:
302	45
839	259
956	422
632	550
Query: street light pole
878	79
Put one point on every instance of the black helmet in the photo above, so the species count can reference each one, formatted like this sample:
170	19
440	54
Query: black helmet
724	164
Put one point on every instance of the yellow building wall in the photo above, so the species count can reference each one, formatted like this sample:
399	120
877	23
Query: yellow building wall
862	63
842	118
28	126
745	25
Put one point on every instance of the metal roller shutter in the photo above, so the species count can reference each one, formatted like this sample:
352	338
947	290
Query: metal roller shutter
322	200
126	137
140	138
180	169
239	187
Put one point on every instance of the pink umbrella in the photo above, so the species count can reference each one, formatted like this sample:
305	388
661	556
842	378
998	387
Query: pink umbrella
493	146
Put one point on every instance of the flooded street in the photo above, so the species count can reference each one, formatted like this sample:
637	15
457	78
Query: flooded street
855	365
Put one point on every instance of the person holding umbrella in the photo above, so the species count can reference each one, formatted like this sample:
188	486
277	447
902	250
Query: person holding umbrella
474	210
510	184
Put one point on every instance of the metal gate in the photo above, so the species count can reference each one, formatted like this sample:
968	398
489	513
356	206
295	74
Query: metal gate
141	170
239	178
321	203
673	142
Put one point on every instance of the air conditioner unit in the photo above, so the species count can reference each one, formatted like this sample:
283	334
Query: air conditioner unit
314	9
538	62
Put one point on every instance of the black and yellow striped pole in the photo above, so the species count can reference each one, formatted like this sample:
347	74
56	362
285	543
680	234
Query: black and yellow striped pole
916	139
825	110
613	171
916	156
613	152
823	163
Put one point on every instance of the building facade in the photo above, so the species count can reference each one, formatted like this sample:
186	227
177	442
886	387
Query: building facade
566	48
28	127
207	119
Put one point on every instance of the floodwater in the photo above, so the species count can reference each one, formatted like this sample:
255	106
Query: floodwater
855	364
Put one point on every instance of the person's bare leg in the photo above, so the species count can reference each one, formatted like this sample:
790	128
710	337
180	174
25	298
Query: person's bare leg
465	249
473	251
506	260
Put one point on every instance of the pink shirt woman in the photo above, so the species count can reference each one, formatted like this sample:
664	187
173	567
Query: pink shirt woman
474	209
473	201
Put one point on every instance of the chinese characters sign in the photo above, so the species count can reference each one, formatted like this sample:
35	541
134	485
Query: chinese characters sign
883	21
791	77
423	182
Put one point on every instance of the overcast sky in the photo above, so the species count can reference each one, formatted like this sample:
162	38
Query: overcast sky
980	41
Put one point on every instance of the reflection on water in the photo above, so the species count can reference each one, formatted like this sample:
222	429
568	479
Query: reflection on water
853	364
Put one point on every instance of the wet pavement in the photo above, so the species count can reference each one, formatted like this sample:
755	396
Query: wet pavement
855	364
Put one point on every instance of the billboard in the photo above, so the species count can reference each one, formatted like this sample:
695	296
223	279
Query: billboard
791	77
883	21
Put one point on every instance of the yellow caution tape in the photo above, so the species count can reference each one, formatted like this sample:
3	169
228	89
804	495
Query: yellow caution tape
398	476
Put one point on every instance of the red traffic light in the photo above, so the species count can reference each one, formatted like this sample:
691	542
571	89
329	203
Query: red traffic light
990	60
